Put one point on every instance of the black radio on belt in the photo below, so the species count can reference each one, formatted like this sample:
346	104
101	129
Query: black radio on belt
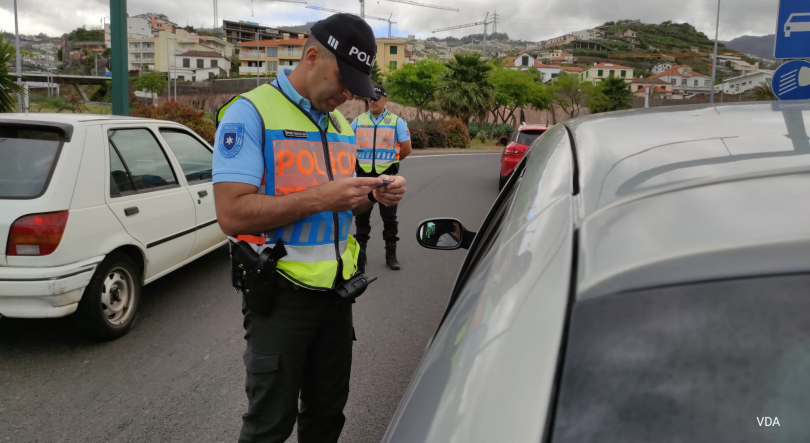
349	290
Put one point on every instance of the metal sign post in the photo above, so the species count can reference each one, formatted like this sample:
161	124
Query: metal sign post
119	57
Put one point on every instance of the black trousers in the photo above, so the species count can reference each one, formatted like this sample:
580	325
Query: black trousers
303	348
388	213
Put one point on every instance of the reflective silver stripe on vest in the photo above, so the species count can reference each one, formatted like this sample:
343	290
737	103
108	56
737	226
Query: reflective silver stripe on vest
313	254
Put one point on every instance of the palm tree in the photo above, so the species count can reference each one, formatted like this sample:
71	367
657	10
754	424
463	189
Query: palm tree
7	85
617	94
763	92
465	91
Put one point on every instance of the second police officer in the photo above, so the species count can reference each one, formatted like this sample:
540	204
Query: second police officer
285	193
382	141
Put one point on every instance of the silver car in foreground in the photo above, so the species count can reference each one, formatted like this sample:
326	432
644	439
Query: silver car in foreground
644	276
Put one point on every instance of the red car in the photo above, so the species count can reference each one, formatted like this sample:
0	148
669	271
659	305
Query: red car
517	146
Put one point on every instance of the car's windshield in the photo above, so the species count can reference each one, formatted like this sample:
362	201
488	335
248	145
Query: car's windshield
703	362
27	157
799	18
529	136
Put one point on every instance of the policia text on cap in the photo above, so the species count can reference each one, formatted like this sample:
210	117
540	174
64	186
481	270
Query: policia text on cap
286	191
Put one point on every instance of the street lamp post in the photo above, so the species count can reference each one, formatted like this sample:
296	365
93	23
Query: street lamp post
714	57
20	97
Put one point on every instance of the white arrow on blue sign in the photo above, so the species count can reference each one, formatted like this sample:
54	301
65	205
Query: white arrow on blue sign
792	81
793	29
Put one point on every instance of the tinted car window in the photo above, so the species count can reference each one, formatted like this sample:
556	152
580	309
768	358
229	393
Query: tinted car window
704	362
120	181
528	137
27	159
194	158
143	158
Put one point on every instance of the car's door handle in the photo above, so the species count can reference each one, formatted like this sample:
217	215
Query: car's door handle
202	193
131	211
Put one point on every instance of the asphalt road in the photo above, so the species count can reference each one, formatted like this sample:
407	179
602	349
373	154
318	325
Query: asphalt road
179	377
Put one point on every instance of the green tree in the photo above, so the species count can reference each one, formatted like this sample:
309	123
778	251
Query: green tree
376	75
540	97
513	90
8	85
415	85
615	96
235	64
763	92
570	93
465	90
154	82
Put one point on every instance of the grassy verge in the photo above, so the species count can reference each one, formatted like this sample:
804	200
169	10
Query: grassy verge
488	145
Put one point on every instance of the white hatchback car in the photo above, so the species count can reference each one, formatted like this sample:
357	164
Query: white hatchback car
94	207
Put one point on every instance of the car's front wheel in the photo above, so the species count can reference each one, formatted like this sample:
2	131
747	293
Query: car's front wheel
110	302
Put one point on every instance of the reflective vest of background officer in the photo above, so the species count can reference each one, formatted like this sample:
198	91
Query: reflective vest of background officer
298	329
382	141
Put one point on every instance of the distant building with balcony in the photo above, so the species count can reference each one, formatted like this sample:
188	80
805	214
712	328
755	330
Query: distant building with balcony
390	53
658	88
744	83
268	56
662	67
601	71
684	79
156	23
741	67
161	53
238	31
201	65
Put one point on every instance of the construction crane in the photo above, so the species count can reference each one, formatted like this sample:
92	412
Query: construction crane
371	17
486	22
409	2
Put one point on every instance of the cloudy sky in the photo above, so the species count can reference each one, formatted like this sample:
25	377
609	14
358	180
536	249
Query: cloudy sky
523	19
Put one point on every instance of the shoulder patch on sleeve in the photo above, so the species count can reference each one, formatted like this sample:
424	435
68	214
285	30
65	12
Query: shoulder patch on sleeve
231	140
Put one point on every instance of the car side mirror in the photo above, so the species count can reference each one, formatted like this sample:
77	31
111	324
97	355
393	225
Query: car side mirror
444	233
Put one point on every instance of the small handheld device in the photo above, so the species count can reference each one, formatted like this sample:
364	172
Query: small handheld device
385	183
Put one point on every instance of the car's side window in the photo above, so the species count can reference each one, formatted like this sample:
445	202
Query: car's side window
139	163
194	157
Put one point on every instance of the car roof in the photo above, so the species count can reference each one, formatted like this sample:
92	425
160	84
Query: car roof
70	118
629	154
692	193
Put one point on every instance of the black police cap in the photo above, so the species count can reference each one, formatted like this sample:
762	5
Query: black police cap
352	41
379	91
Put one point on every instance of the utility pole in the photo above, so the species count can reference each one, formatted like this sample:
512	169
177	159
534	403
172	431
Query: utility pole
714	57
20	97
484	49
118	57
363	9
495	23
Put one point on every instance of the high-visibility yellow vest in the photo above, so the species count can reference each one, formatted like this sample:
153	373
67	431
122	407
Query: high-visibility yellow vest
300	156
377	149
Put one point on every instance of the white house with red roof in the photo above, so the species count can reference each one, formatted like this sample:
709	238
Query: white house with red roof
550	72
600	71
660	88
685	79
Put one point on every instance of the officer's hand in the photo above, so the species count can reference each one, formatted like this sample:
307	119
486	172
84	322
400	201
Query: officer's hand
391	195
346	194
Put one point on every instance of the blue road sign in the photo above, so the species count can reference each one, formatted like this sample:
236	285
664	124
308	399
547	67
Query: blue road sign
793	29
792	81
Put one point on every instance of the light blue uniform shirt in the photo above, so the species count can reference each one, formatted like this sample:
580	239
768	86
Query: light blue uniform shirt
402	126
240	159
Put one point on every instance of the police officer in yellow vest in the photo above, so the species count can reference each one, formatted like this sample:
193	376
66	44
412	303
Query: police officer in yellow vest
285	191
383	140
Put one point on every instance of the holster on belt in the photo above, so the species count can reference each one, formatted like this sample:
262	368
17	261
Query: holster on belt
255	274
